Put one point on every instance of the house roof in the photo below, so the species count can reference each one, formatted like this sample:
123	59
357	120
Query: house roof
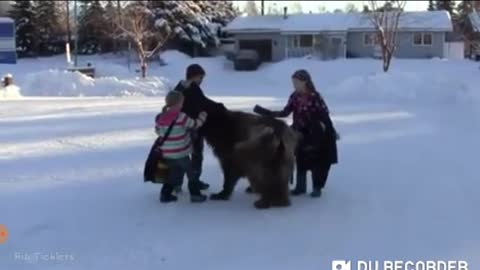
475	19
419	20
256	23
6	20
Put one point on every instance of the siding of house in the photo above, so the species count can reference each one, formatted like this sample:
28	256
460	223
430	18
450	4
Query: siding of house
322	47
278	42
405	49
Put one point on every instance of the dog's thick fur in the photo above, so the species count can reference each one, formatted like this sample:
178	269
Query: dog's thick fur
256	147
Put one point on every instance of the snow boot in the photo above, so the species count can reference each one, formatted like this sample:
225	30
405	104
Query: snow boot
166	198
196	198
177	189
316	193
297	192
203	185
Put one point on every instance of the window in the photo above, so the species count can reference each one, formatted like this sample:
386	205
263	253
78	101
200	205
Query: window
370	39
422	39
417	39
300	41
427	39
306	41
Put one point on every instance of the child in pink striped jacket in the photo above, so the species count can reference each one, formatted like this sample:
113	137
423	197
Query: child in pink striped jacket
177	147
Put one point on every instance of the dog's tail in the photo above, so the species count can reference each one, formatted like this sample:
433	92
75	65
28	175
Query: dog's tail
259	136
268	142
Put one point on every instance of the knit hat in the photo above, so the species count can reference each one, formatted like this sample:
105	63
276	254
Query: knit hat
173	98
194	70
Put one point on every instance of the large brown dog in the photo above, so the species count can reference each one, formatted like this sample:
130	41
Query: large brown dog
256	147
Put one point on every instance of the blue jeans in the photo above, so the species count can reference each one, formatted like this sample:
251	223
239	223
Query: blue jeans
177	168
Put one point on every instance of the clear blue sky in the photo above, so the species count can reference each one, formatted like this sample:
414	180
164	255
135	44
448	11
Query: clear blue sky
332	5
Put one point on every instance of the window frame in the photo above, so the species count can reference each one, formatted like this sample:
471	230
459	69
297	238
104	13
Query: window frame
299	37
422	39
373	37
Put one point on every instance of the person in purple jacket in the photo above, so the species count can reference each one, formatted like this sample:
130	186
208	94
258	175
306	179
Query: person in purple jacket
317	149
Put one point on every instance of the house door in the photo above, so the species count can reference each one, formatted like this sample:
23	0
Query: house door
336	45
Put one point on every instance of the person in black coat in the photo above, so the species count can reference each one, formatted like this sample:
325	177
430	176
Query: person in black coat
317	149
195	102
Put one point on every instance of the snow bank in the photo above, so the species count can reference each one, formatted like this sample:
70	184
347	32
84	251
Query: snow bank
412	81
64	83
409	87
175	57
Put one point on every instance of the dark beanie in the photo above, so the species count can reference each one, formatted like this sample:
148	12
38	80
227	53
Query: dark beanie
194	70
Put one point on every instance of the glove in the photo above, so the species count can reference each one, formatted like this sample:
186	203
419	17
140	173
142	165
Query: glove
262	111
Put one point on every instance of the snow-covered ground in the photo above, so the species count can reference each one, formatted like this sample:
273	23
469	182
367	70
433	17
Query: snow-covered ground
406	187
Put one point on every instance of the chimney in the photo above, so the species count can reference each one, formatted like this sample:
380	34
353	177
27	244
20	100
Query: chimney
285	9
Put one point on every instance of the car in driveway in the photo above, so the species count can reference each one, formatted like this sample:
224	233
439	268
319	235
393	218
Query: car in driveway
246	60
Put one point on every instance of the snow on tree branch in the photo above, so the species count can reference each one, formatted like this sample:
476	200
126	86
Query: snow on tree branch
136	22
386	20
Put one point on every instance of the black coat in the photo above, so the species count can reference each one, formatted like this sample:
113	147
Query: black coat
196	101
318	145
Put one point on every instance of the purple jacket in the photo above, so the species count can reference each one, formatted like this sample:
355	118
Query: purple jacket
306	108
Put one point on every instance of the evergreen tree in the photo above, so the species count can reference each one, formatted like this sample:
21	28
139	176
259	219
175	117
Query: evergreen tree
195	25
92	27
463	21
448	5
47	24
110	15
366	9
351	8
24	14
431	5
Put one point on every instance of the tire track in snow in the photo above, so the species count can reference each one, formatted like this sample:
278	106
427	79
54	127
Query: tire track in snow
69	144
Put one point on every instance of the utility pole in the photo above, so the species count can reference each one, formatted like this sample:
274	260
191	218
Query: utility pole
263	7
76	34
68	22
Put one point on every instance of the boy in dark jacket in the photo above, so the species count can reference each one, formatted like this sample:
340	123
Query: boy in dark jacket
194	103
317	150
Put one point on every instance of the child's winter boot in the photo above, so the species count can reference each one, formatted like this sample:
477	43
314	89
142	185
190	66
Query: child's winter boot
194	198
317	192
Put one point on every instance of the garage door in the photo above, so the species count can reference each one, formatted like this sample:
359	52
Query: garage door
262	46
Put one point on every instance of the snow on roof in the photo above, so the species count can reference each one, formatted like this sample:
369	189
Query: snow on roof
6	20
424	20
475	19
256	23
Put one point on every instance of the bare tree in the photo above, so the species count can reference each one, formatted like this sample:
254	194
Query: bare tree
136	23
386	21
251	8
